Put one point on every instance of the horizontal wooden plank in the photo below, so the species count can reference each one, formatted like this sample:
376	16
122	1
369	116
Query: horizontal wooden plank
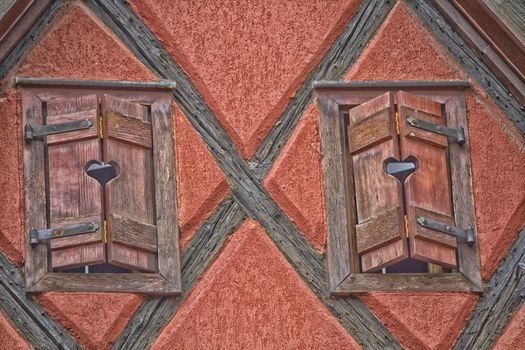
146	283
133	233
404	282
129	129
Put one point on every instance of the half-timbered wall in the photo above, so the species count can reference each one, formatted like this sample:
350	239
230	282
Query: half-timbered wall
251	210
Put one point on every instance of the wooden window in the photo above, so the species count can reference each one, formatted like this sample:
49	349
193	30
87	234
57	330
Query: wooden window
110	179
389	179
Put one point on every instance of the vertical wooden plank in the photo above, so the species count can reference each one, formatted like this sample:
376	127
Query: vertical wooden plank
35	192
131	195
165	191
461	174
338	194
74	197
372	139
428	189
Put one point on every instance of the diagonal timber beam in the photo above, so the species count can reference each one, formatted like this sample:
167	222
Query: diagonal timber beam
246	187
470	60
505	294
36	326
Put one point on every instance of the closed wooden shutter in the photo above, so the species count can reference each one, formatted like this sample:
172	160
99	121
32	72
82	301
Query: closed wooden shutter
372	138
130	202
73	196
428	190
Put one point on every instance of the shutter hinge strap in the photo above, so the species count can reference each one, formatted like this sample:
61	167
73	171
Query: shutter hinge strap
466	234
32	132
456	133
38	235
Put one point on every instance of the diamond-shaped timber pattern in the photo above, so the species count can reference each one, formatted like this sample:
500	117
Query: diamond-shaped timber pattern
246	58
96	319
158	66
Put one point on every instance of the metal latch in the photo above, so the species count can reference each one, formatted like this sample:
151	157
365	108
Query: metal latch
32	132
466	234
458	134
38	235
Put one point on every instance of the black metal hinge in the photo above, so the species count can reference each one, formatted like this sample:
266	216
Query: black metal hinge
466	234
38	235
37	132
458	134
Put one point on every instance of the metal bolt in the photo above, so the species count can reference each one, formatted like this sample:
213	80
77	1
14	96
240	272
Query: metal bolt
448	228
52	128
84	123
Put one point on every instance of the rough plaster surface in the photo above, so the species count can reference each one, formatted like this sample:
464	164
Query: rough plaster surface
9	337
497	151
201	185
11	201
251	298
95	319
247	58
78	46
513	336
296	179
422	320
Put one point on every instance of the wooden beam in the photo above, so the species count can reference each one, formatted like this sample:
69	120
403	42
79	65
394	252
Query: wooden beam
35	325
470	60
247	190
154	313
24	31
504	295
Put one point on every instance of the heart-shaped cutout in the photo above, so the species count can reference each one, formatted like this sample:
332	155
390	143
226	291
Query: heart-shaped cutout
400	169
102	172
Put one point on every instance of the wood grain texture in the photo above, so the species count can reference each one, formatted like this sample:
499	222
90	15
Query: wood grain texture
503	296
26	314
72	194
428	189
131	194
247	190
35	200
467	57
138	234
31	26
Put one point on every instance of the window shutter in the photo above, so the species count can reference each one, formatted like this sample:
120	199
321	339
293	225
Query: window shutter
73	196
428	190
372	138
130	202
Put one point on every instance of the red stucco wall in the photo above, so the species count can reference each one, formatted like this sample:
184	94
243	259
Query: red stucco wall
247	59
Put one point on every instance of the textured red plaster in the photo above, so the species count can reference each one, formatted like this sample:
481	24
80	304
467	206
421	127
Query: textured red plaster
498	165
95	319
498	161
251	298
201	185
422	320
9	337
79	46
403	49
247	58
513	336
296	181
11	201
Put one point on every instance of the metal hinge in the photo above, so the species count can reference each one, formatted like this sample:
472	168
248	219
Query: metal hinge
38	235
105	231
100	128
466	234
37	132
458	134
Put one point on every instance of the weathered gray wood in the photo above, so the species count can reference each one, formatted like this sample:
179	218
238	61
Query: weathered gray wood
404	282
165	192
35	200
512	13
463	198
504	294
36	326
154	313
31	25
471	62
246	189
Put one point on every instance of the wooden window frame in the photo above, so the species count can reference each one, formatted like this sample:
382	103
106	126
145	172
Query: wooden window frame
335	98
157	95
